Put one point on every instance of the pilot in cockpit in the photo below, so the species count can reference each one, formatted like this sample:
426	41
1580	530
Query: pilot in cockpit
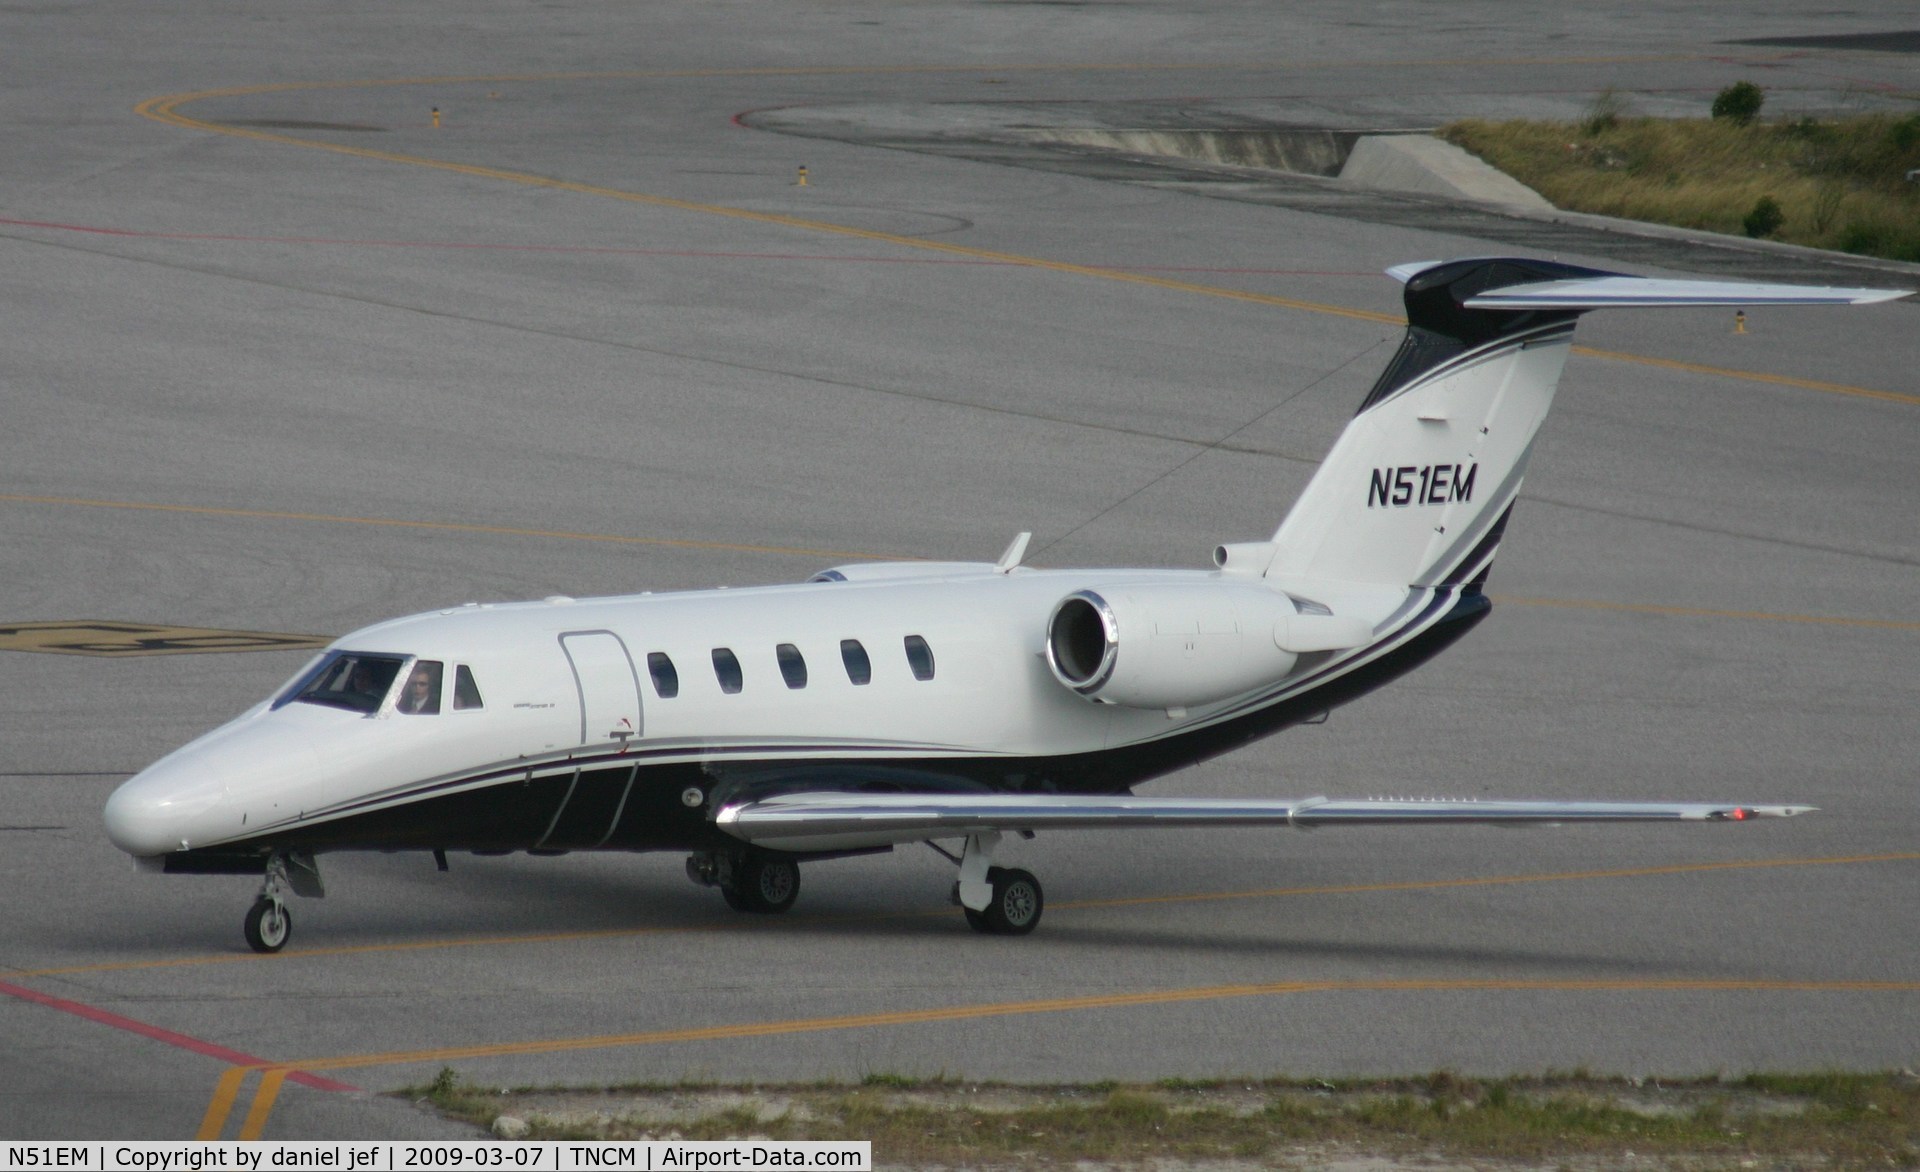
366	680
421	696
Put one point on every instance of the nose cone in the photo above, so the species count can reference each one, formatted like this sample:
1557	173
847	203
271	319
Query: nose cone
160	808
200	795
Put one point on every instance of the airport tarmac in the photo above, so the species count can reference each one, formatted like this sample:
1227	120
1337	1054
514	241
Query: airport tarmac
284	356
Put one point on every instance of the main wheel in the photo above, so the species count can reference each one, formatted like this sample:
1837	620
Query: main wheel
269	923
1016	905
763	883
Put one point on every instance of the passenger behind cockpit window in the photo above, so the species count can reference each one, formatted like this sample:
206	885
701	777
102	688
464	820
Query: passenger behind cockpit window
421	696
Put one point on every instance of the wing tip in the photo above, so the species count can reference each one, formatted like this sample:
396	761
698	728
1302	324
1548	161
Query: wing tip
1747	813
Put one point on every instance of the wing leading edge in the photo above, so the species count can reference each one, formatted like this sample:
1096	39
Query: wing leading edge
840	821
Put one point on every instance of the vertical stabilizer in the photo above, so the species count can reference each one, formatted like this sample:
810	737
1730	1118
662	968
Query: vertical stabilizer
1424	474
1416	491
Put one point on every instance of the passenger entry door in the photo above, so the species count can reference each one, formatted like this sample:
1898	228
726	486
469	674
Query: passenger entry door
609	690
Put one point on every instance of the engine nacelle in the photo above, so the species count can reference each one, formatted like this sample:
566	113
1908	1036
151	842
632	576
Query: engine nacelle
1171	645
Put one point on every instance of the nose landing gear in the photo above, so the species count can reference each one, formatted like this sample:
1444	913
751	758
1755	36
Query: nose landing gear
269	924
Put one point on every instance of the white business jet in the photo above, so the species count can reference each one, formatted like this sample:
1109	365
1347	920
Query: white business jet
882	704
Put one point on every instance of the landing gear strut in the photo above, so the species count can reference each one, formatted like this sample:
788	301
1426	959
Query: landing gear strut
1000	901
269	924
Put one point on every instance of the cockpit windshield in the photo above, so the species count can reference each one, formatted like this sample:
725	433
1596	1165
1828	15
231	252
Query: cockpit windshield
350	680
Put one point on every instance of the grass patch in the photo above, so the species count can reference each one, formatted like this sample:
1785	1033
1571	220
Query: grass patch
1796	1120
1835	184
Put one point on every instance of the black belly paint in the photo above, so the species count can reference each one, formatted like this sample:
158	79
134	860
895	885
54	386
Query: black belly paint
621	802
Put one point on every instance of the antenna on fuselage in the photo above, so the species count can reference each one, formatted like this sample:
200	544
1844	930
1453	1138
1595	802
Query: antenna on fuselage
1015	552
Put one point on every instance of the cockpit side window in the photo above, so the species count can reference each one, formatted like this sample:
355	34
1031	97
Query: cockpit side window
466	693
352	680
420	696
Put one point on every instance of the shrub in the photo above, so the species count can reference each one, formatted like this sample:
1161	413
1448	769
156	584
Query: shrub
1905	134
1605	113
1739	103
1765	218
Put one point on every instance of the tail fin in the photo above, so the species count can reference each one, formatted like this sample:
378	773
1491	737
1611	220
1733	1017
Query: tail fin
1417	490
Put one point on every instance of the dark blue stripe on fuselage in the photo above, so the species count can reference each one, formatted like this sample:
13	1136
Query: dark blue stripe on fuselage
512	809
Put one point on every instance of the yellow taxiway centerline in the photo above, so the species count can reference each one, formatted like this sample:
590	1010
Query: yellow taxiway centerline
165	109
269	1089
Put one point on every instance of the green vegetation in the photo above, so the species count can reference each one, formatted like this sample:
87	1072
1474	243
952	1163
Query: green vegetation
1739	103
1765	218
1820	1119
1837	184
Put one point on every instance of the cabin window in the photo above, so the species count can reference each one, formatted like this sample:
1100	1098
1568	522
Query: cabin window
666	680
793	665
919	657
466	693
859	667
351	680
726	669
420	695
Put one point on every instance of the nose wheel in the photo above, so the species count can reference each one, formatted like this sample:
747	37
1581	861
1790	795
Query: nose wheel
268	925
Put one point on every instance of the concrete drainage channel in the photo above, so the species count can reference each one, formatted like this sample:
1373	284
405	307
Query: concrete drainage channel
1400	160
1320	161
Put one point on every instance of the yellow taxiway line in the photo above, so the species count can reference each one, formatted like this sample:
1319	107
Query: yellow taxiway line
273	1077
166	109
1086	904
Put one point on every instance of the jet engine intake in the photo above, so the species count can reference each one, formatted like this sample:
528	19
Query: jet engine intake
1169	645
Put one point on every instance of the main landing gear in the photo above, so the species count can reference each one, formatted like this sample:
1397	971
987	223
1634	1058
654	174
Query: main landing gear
750	880
1000	901
269	924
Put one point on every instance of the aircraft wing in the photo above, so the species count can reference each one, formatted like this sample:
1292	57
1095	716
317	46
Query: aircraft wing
843	821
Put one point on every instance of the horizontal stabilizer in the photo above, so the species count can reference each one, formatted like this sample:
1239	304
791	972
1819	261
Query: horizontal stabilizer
1649	293
1582	288
837	821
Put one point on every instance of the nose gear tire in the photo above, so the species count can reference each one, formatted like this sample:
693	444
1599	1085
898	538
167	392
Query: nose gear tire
268	925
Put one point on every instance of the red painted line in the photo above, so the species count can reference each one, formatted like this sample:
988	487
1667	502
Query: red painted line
205	1049
95	230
